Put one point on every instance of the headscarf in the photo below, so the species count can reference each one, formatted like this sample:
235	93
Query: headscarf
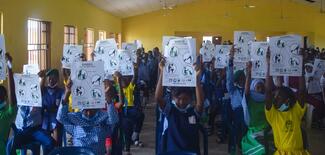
258	97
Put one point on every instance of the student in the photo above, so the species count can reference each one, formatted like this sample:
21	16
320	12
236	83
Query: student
7	107
235	86
284	112
89	127
132	115
254	99
51	98
182	117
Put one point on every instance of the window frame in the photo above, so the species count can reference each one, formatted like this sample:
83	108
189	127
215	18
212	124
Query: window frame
89	46
102	33
70	34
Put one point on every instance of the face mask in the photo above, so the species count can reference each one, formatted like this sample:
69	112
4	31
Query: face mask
180	109
283	107
53	85
89	118
2	104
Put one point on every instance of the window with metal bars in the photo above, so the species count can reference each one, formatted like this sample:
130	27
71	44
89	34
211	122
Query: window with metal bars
70	35
89	44
102	35
1	22
39	43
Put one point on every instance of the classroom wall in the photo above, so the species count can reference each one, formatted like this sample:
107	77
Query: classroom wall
79	13
223	17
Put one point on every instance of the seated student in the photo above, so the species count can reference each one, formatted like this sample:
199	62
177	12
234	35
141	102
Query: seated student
254	99
51	98
182	116
7	107
235	85
90	127
284	112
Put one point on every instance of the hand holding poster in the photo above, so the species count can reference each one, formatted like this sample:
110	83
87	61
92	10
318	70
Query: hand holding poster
207	51
285	58
106	50
180	56
131	47
71	54
28	91
258	57
242	39
3	62
88	87
222	55
125	62
31	69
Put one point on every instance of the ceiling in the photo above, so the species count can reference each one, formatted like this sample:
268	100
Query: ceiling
127	8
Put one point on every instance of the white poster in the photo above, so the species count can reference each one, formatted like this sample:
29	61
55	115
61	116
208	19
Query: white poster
71	54
88	87
242	39
222	55
207	51
131	47
258	58
285	58
180	56
106	50
138	43
239	66
318	71
31	69
3	63
166	39
28	91
125	63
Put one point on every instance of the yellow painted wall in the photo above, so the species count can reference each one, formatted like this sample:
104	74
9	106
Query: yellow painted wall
223	17
79	13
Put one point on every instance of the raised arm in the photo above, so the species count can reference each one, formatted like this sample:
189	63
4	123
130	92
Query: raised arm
268	84
11	83
62	115
136	69
230	72
42	75
159	88
198	88
120	104
302	84
248	77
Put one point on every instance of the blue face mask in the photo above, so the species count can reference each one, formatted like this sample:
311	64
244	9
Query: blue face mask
181	109
2	104
283	107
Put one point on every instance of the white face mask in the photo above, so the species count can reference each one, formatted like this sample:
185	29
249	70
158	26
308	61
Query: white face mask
181	109
283	107
3	104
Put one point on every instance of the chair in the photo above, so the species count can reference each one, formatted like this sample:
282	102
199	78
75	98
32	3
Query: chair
72	151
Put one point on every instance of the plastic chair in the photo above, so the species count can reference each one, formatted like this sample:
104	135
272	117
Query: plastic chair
178	153
72	151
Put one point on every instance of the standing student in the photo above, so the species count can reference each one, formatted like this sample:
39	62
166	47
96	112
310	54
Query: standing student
182	116
253	141
235	86
51	98
284	112
89	127
7	107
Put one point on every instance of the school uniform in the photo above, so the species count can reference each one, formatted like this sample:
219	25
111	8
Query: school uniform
182	133
7	114
238	126
28	130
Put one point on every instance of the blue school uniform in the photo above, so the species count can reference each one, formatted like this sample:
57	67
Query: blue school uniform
183	129
51	99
